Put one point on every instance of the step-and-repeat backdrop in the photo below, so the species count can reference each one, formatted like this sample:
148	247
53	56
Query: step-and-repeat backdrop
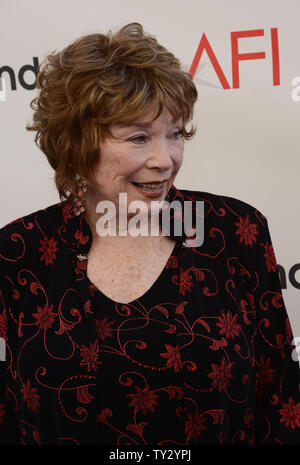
244	59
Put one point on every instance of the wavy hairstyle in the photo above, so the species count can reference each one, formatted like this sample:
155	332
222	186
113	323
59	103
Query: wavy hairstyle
100	80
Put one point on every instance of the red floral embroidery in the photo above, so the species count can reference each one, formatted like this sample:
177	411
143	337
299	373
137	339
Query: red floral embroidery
36	436
92	289
180	308
221	374
172	262
218	343
90	356
173	356
266	374
30	396
83	395
251	300
185	282
104	329
3	325
15	294
143	400
48	249
45	317
290	413
101	417
2	412
228	324
288	330
137	429
67	212
87	307
80	237
270	257
246	230
194	425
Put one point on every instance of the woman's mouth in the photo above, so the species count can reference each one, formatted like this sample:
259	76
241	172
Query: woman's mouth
149	186
154	189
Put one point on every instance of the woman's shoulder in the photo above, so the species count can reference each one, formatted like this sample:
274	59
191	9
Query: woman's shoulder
40	223
49	213
239	226
221	205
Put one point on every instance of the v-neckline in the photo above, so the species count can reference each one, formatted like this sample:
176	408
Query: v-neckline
151	289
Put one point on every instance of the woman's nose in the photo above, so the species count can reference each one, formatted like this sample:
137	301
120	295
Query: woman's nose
160	156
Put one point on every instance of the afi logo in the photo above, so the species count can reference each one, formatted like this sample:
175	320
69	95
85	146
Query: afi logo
236	57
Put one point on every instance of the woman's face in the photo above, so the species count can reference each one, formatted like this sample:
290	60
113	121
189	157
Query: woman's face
141	154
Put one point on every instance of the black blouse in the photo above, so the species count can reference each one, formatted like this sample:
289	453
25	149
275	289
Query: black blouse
203	357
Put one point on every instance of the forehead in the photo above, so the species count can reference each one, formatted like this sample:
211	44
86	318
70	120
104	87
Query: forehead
147	121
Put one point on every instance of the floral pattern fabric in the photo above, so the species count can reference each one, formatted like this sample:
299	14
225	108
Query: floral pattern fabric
203	357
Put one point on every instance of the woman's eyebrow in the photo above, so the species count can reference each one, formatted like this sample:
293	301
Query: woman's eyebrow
144	125
138	125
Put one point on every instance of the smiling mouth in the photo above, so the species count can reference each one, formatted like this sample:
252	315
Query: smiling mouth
149	187
154	185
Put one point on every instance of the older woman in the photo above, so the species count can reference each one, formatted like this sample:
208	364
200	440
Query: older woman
137	339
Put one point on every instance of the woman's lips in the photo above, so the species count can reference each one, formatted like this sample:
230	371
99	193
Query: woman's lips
150	192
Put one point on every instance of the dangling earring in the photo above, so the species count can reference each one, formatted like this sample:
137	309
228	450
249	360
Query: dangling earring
80	197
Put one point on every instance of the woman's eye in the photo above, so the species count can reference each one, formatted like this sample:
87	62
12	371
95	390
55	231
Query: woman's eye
178	133
140	138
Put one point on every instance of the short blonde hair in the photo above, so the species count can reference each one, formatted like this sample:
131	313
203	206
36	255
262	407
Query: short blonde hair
100	80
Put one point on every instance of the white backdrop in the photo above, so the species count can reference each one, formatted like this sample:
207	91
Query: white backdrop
247	143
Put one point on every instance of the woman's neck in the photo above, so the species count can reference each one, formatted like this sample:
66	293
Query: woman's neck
124	232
